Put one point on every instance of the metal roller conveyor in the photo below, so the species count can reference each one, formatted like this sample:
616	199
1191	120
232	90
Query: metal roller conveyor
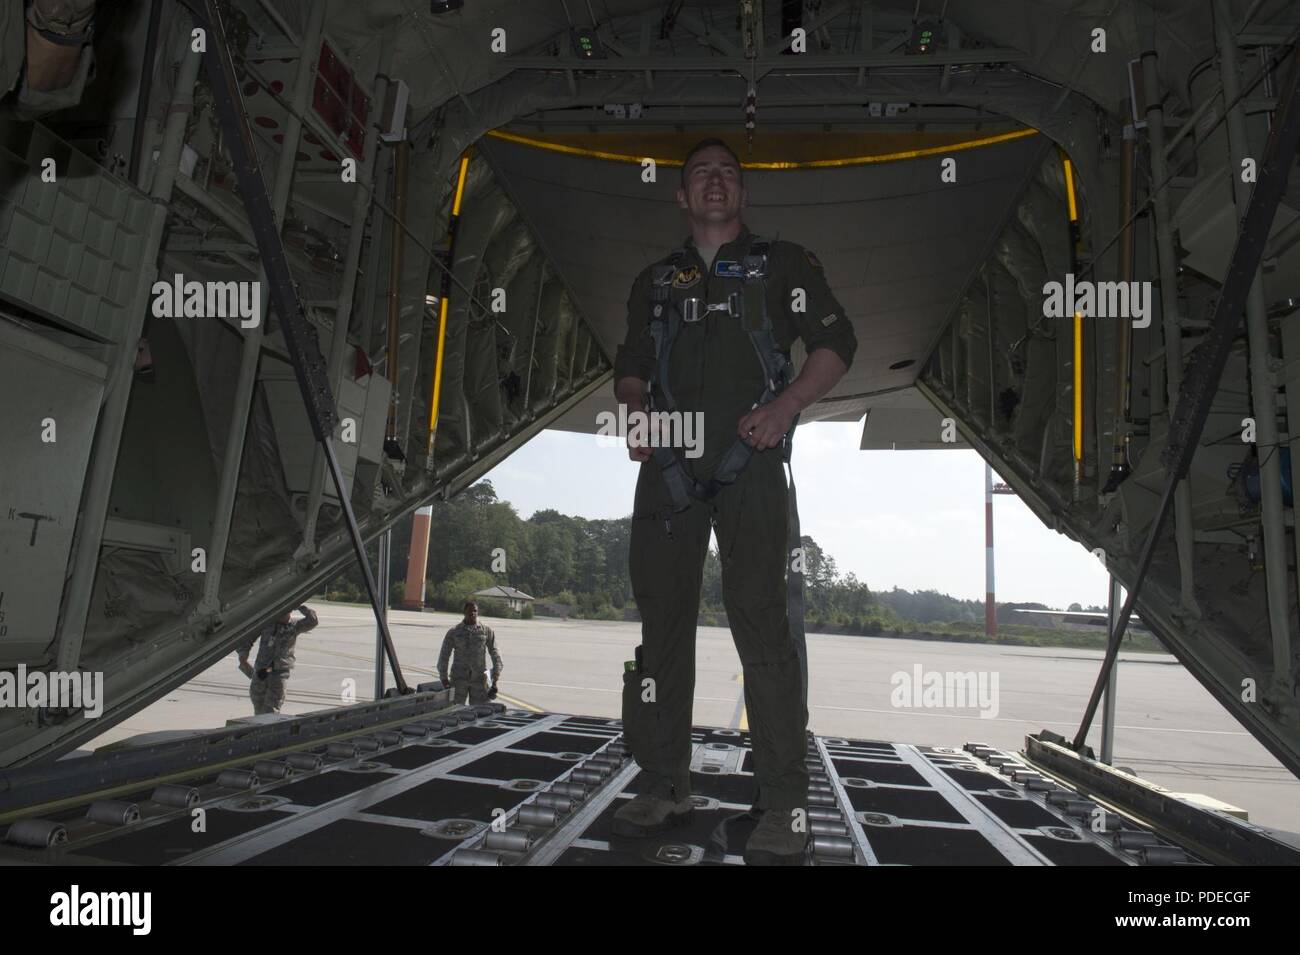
113	813
512	840
36	834
572	790
542	817
238	779
551	800
1135	839
175	796
273	769
825	827
1162	855
831	846
477	857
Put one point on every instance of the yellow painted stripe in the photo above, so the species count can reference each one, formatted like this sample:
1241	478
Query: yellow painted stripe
460	184
1069	188
1078	387
437	372
810	164
744	718
519	703
435	399
1068	168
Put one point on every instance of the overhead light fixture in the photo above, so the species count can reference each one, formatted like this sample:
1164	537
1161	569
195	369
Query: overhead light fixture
926	35
586	44
445	6
623	110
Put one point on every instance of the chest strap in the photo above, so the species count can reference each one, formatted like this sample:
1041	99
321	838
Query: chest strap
665	325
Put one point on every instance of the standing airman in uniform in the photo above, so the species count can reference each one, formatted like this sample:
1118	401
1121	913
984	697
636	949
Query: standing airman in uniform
695	323
472	643
275	658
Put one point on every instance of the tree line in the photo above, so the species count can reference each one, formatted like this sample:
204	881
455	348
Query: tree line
581	565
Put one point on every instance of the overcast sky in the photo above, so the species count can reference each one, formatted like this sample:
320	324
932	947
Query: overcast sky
910	519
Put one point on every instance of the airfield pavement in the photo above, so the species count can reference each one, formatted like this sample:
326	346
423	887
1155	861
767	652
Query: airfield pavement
1169	730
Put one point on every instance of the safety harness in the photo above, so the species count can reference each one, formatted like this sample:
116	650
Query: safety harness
750	309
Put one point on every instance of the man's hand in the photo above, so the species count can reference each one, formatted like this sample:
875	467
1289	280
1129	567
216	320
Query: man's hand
638	452
765	427
631	392
492	692
245	667
445	682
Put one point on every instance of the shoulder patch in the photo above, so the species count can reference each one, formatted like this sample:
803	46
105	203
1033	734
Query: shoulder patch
686	277
813	260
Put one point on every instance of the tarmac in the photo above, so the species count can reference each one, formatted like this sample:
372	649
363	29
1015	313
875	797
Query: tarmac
1168	729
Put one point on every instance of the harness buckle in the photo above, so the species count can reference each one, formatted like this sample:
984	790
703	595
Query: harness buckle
694	309
736	305
661	278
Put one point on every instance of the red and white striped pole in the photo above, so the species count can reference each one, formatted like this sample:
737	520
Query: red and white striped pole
990	607
418	562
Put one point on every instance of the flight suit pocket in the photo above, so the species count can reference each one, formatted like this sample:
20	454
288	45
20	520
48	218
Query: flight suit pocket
637	729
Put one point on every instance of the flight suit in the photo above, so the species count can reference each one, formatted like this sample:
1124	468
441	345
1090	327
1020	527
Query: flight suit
713	369
275	658
468	678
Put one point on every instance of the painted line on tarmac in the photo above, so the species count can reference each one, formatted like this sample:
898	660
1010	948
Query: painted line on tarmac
519	703
910	712
740	718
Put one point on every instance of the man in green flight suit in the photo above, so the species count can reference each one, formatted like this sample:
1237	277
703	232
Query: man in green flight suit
472	643
711	368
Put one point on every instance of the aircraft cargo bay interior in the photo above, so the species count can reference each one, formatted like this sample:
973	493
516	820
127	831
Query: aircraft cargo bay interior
283	282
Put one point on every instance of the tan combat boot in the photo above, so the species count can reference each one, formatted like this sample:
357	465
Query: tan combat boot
775	840
646	815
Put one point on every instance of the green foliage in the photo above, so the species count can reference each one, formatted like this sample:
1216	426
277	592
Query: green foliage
583	564
452	593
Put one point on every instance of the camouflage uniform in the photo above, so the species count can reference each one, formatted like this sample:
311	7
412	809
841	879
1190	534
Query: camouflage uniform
28	104
275	659
469	672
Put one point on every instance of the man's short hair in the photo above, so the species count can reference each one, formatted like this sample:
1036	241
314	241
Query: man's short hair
468	604
706	144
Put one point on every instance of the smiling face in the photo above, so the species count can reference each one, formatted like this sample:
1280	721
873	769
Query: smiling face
712	192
